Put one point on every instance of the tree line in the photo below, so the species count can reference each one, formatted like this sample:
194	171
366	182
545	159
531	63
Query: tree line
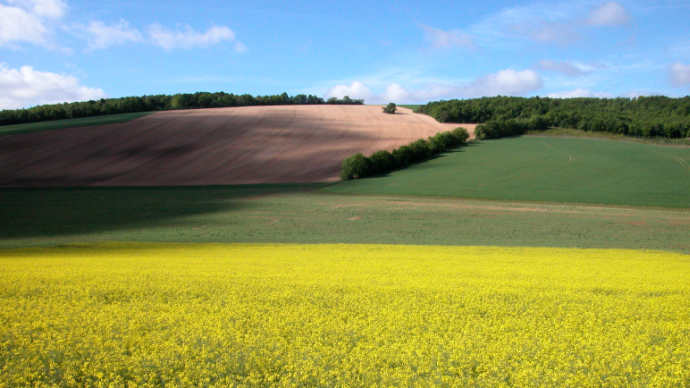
655	116
150	103
360	166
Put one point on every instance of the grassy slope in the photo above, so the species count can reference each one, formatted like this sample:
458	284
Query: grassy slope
297	214
410	106
547	169
566	132
70	123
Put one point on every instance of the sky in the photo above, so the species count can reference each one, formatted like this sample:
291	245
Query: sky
385	51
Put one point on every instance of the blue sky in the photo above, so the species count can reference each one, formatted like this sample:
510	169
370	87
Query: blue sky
400	51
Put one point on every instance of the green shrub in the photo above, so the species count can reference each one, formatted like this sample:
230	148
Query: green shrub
355	166
381	161
402	156
460	136
391	108
420	150
439	143
359	166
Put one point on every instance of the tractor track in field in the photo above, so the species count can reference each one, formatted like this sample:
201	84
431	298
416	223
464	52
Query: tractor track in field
221	146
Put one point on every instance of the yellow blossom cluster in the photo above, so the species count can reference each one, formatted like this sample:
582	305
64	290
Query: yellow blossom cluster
178	315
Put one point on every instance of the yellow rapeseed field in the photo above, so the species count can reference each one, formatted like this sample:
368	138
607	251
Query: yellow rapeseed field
173	315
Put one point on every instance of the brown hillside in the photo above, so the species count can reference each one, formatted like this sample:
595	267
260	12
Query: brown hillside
270	144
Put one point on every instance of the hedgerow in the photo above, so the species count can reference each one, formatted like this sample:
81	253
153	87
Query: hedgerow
360	166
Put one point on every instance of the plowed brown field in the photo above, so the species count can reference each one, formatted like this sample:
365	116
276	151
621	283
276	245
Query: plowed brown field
243	145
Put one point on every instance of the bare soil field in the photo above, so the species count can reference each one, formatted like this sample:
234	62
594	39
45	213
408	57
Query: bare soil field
221	146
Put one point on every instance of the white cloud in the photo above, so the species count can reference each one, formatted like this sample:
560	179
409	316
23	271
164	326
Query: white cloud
28	20
579	92
609	14
188	38
444	39
679	74
356	90
25	87
101	35
45	8
504	82
395	92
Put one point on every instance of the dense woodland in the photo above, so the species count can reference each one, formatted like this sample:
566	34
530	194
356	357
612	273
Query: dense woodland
110	106
656	116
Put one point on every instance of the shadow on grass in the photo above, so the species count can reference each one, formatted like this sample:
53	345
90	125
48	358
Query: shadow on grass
54	212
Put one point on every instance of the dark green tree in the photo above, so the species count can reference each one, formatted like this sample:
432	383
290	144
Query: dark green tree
355	166
390	108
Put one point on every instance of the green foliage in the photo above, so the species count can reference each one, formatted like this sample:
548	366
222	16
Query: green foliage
546	169
402	156
355	166
390	108
346	100
459	136
656	116
495	129
153	103
381	161
359	166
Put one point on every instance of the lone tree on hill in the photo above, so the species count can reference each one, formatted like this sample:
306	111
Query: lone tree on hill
390	108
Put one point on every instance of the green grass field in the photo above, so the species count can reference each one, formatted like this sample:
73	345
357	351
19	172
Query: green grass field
303	214
410	106
567	132
545	169
70	123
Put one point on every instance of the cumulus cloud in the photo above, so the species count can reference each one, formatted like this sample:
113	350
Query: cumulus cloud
444	39
188	38
356	90
25	87
101	35
46	8
504	82
579	92
28	20
679	74
609	14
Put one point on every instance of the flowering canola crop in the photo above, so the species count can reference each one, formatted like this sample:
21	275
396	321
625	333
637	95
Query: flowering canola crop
145	315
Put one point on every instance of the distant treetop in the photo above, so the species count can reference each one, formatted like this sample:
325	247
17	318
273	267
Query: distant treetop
150	103
655	116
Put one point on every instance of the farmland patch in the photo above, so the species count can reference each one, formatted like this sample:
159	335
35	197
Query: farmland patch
350	315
